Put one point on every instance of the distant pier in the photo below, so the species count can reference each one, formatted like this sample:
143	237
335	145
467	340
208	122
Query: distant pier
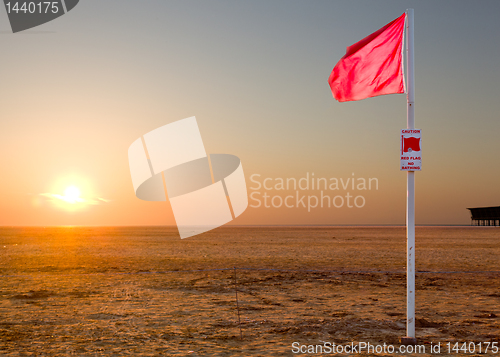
485	216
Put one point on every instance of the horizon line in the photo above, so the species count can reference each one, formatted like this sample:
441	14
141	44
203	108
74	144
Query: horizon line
250	225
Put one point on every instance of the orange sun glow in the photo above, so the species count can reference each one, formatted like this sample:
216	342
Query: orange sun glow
72	195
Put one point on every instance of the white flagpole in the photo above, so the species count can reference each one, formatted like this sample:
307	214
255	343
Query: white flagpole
410	201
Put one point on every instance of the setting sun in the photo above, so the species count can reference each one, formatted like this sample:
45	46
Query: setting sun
72	194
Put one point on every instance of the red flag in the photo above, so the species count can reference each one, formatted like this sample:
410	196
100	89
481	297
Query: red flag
411	144
372	66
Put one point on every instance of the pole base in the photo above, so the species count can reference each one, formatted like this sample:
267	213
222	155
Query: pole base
408	341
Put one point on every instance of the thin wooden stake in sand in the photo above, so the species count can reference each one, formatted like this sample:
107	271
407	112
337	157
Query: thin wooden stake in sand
237	304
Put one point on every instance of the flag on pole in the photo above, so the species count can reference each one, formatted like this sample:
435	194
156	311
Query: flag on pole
372	66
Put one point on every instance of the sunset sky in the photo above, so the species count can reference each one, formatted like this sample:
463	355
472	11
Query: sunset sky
77	91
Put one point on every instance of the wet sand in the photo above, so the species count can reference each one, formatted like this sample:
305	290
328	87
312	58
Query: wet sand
143	291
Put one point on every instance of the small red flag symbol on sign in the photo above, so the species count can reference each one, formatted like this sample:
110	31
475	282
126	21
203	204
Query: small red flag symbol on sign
411	144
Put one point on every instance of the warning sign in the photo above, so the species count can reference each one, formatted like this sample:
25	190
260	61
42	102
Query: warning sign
411	150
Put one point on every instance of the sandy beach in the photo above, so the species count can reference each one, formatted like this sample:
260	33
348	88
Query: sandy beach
92	291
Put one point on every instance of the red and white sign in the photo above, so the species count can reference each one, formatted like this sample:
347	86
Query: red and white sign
411	150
